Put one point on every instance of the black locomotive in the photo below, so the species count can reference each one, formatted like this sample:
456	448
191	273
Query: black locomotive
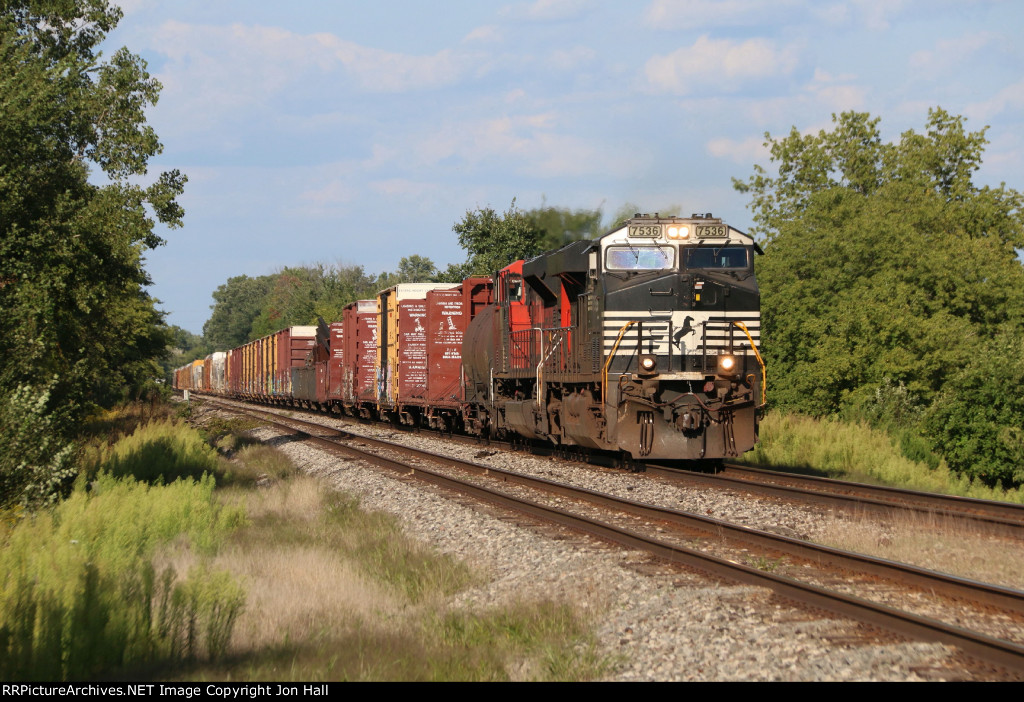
644	341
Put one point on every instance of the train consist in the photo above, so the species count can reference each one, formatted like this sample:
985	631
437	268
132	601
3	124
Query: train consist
642	342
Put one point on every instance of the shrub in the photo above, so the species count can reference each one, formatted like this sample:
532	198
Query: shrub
36	464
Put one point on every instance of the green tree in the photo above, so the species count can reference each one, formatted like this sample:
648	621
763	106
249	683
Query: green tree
416	269
493	241
629	209
561	225
74	220
237	303
884	263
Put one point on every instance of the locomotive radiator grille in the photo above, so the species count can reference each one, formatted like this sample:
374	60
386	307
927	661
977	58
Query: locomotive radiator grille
688	332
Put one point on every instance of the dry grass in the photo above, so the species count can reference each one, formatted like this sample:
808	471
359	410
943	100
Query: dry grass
946	545
337	593
301	594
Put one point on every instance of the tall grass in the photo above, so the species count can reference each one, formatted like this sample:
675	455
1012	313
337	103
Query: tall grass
159	451
80	597
340	593
80	594
855	451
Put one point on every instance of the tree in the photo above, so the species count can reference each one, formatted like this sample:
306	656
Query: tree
416	269
73	300
629	209
884	263
493	241
237	303
560	225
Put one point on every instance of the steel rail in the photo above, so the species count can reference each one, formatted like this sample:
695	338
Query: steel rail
929	580
1013	513
933	505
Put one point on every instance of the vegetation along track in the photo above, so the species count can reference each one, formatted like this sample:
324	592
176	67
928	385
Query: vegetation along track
983	605
1006	517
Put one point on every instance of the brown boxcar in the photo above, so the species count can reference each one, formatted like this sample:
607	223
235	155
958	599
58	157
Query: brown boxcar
359	382
401	372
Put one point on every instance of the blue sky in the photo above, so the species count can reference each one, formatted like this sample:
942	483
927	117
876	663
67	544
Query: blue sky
360	132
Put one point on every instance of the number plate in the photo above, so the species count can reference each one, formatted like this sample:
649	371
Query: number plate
649	231
712	231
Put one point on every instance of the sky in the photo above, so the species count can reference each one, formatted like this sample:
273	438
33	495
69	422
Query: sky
357	133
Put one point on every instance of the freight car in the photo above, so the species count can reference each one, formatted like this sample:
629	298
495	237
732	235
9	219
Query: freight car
643	342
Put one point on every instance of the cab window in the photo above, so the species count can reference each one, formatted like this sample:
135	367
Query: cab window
640	258
716	257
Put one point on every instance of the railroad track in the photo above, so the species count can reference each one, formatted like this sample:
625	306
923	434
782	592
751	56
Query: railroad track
1008	518
640	528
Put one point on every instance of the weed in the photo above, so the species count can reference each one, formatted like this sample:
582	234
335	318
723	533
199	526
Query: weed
763	563
855	451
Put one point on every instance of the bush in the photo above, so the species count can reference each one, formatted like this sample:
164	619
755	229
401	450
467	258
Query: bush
976	421
162	451
36	463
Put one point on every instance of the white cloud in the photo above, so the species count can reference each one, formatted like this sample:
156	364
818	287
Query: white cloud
1009	100
691	14
547	10
836	93
875	14
570	59
719	62
212	69
218	74
745	151
949	53
334	193
489	34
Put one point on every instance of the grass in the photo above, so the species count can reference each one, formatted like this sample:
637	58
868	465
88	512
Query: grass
940	544
182	556
339	593
81	594
855	451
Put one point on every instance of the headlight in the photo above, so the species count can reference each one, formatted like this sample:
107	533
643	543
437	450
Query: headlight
727	365
648	364
678	231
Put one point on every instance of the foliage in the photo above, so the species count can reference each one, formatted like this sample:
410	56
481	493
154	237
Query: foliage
416	269
36	465
493	241
160	452
848	450
236	304
560	225
884	264
80	595
376	542
249	308
629	209
73	303
977	421
183	347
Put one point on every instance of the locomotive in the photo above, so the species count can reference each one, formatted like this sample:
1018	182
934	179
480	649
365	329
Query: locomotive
643	342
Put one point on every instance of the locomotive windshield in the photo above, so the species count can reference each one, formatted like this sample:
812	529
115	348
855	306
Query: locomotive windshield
716	257
640	258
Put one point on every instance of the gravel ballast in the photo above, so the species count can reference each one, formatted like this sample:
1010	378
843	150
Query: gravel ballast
655	622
